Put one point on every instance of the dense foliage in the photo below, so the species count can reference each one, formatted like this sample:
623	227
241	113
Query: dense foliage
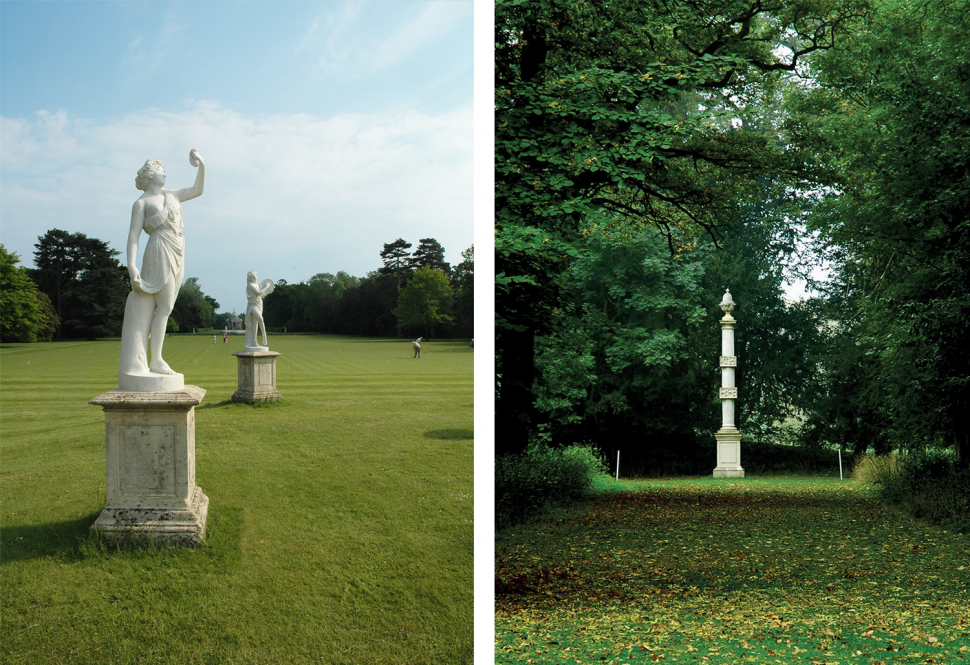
440	300
890	115
543	477
86	284
193	309
650	155
79	282
640	171
927	483
26	313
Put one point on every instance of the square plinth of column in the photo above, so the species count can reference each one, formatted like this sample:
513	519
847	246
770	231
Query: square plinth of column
150	466
257	377
728	454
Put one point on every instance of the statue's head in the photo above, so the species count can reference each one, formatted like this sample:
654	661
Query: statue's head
145	173
251	276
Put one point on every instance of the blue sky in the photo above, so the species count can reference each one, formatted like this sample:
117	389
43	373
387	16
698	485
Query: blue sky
328	128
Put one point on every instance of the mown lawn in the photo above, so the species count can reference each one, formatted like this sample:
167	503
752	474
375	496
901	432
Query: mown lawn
732	571
340	519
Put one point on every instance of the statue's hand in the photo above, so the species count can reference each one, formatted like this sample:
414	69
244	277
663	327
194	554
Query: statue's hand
136	282
195	158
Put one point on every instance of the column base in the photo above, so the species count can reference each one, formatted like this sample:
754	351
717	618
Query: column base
728	453
256	377
179	524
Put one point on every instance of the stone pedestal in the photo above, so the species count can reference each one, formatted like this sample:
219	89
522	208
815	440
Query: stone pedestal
257	376
150	454
728	454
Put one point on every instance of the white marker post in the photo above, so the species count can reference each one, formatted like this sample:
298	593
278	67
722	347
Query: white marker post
729	436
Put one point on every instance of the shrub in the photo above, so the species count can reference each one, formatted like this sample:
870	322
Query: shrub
928	484
528	483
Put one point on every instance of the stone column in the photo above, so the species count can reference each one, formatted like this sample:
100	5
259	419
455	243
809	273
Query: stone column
256	376
150	458
729	436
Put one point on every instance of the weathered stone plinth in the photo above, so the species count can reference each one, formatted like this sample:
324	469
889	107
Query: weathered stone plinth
728	453
150	455
257	377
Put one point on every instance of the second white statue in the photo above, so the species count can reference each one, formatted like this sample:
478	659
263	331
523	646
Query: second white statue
255	291
158	212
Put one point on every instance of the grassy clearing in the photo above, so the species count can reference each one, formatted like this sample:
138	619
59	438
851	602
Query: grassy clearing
340	519
750	570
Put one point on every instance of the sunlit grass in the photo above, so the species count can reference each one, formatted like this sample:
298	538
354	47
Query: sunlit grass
340	519
732	570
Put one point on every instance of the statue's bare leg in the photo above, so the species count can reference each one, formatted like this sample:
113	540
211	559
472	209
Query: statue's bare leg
164	303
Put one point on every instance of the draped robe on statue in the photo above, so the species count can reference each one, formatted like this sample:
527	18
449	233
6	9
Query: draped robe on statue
165	250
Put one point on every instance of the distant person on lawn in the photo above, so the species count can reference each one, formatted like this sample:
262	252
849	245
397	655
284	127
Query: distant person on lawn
417	347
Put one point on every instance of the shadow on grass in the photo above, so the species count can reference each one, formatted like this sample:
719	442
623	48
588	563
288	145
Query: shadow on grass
450	434
74	541
37	541
243	405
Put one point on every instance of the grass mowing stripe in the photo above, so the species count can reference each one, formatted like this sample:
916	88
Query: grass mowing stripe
748	570
340	520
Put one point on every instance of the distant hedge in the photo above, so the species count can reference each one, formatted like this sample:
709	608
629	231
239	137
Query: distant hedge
766	458
756	458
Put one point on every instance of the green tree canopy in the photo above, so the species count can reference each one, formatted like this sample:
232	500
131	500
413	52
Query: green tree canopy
84	281
889	113
193	309
26	314
396	258
463	284
429	252
426	301
629	113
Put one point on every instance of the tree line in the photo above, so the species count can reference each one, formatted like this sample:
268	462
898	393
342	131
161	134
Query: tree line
78	290
650	155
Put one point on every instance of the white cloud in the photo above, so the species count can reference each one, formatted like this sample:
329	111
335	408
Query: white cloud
417	33
146	56
288	195
344	39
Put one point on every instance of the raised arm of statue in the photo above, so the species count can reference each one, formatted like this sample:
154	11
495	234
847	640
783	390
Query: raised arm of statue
195	159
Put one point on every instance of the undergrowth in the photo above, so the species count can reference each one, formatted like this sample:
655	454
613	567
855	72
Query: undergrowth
928	484
541	477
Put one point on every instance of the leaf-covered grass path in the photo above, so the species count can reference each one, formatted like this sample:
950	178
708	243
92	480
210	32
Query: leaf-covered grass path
732	571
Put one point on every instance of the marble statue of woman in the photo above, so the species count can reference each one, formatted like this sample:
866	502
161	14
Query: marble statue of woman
254	310
158	212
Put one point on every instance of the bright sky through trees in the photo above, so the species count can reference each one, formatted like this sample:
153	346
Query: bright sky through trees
328	128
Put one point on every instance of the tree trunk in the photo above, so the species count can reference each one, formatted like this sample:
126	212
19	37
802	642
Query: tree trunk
514	408
961	441
59	315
